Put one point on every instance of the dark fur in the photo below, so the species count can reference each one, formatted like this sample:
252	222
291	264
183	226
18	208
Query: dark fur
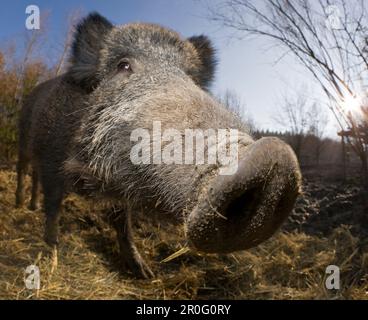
86	49
205	74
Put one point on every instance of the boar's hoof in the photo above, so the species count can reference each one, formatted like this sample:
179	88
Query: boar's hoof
51	233
136	264
33	206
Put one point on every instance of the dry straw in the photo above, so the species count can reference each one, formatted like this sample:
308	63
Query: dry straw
289	266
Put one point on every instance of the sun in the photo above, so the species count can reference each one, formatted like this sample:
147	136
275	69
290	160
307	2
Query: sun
352	103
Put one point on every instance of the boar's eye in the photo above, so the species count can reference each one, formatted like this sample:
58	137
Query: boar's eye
124	66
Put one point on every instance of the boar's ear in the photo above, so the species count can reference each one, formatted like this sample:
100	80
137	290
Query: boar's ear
86	47
205	74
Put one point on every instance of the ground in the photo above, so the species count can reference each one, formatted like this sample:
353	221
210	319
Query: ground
328	227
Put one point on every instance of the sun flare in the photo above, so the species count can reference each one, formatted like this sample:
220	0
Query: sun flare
352	103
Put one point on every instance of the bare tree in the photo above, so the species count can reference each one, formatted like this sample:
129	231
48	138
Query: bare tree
327	38
292	115
33	40
317	123
72	20
231	100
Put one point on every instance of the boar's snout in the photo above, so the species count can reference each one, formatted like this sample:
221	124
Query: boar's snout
240	211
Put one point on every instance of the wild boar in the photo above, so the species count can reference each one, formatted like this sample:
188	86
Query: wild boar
76	131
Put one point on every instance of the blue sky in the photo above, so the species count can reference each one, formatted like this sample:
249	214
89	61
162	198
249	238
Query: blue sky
246	67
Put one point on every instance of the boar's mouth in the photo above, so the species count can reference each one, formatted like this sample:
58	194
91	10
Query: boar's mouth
240	211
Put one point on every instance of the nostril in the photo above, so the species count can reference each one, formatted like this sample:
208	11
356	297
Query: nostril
243	205
284	205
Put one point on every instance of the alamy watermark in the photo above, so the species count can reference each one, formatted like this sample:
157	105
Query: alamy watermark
333	278
333	21
32	278
33	18
188	147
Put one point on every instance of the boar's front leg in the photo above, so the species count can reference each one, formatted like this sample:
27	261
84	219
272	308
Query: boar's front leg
129	255
35	191
53	196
